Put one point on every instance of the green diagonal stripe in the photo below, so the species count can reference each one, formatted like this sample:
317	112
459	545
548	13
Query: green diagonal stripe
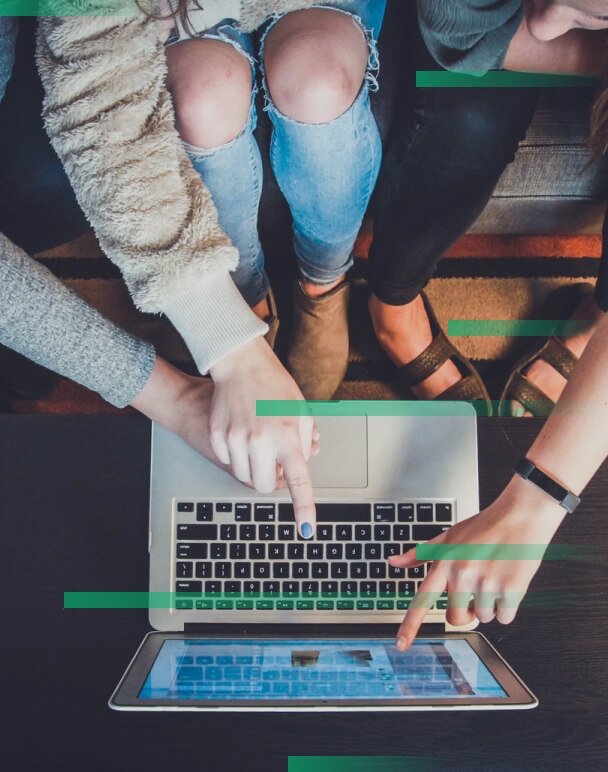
361	764
475	328
501	79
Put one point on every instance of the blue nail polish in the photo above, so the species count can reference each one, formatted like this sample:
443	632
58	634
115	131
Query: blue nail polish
519	411
307	530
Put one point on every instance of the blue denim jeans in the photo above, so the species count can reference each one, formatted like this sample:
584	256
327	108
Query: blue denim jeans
326	171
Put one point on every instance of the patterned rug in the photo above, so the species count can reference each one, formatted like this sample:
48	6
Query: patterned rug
482	277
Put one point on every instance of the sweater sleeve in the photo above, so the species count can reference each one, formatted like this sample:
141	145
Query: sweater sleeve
110	119
471	35
45	321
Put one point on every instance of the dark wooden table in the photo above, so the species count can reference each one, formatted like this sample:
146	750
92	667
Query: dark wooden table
74	499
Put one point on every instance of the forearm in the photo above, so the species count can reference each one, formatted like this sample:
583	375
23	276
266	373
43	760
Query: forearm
50	324
578	51
110	119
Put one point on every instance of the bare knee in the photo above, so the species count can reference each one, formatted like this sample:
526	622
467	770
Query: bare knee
210	82
315	64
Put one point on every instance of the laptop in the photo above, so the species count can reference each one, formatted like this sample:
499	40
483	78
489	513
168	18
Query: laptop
259	619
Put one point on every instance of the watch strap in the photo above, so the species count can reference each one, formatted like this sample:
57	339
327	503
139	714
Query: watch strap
565	498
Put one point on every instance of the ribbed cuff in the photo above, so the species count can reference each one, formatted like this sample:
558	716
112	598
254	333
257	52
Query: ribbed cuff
213	319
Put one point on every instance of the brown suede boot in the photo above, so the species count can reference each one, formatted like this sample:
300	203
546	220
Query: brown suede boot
318	350
272	320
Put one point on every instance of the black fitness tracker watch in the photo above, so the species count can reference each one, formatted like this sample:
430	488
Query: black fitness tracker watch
563	496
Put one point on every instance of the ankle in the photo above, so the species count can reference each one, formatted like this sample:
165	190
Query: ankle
318	290
262	309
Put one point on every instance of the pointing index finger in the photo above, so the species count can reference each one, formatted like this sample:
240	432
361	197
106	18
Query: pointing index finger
430	589
297	477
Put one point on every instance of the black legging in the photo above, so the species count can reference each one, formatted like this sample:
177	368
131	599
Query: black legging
445	156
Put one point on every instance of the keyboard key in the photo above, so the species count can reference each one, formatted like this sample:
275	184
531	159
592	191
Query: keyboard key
363	532
213	588
218	551
396	573
276	551
286	532
271	588
417	572
238	551
204	603
310	588
385	605
261	570
257	552
223	570
329	589
196	532
203	570
305	605
232	588
264	513
401	532
391	549
247	532
339	570
266	532
299	570
190	588
189	551
373	551
365	605
242	512
325	532
349	589
334	551
382	532
284	605
242	570
264	604
403	604
357	570
406	588
319	570
443	513
185	506
332	513
184	570
377	570
280	570
442	603
325	605
295	551
224	605
405	513
387	589
345	605
314	551
344	532
424	513
384	513
228	532
426	532
183	604
353	551
223	506
204	511
368	589
291	589
244	605
251	588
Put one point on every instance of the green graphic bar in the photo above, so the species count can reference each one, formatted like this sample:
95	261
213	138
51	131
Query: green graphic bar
361	764
506	552
75	7
336	602
355	407
522	328
501	79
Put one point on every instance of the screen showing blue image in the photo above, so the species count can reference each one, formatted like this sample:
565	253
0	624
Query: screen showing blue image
318	670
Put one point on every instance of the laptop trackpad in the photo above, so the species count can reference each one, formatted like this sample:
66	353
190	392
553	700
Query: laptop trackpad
342	461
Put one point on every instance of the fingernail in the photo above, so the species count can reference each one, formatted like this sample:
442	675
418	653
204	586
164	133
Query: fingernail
306	530
519	411
401	642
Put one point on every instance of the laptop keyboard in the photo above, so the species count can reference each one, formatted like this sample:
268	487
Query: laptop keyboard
243	556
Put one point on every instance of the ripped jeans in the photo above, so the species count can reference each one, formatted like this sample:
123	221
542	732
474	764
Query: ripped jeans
326	171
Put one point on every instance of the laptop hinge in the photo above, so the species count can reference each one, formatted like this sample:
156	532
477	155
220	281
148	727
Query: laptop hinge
382	630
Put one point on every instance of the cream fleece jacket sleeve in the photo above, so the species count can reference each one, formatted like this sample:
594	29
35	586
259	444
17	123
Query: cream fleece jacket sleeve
110	120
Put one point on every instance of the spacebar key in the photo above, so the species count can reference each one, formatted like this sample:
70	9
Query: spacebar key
426	532
332	513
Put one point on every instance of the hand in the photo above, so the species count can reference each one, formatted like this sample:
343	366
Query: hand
253	446
522	515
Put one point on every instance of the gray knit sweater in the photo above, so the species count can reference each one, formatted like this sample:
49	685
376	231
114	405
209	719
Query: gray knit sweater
45	321
111	121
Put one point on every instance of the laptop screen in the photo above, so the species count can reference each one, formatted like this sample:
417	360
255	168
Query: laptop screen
294	669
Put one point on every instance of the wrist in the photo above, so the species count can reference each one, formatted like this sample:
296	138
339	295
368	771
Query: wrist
238	361
162	393
532	505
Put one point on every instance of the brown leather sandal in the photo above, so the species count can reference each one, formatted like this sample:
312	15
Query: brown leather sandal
554	351
471	388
